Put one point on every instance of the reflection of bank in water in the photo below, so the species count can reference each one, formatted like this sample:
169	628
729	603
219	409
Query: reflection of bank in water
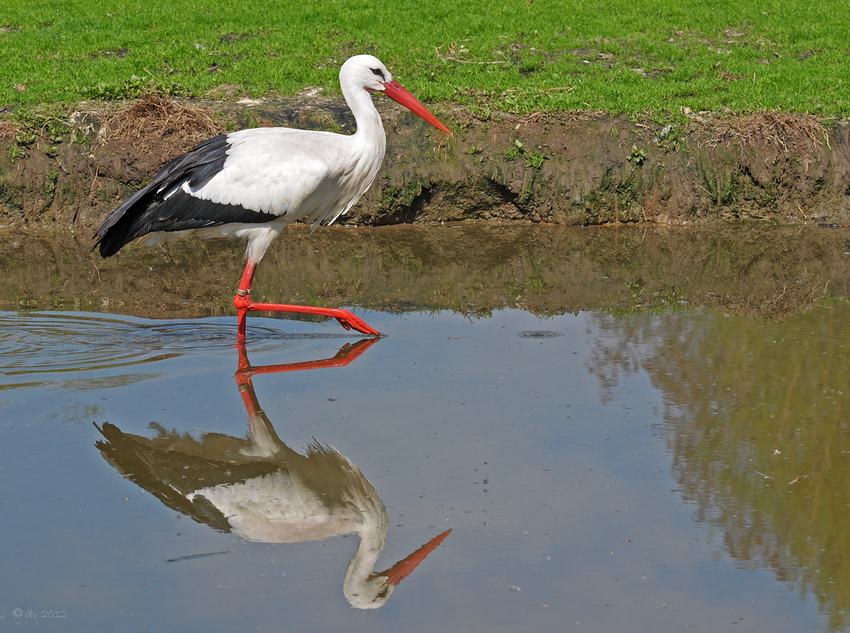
755	418
262	490
473	269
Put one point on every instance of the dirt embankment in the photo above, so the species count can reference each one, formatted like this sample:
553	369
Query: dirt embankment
70	170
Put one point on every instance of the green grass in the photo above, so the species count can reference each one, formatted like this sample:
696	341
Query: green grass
647	56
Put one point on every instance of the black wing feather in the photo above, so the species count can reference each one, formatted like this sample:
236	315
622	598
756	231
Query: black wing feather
147	211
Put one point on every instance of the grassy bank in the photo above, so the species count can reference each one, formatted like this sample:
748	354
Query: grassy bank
644	56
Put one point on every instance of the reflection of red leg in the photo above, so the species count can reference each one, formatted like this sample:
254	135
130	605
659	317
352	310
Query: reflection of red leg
346	354
243	304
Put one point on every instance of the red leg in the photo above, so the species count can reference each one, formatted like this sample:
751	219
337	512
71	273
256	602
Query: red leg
242	301
243	304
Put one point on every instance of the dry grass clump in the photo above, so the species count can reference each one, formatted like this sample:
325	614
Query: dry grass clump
8	129
779	133
163	119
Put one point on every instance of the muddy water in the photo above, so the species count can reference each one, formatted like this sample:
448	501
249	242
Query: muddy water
650	466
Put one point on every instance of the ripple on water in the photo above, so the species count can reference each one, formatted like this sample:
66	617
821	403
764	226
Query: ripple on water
539	334
41	348
34	343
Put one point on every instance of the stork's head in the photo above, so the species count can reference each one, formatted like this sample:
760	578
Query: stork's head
366	70
369	72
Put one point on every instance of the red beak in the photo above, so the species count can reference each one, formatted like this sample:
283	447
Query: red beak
402	569
395	92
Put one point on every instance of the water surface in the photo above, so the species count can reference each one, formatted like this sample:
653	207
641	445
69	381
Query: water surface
647	470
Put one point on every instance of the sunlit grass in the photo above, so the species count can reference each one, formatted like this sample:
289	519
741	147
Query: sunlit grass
644	56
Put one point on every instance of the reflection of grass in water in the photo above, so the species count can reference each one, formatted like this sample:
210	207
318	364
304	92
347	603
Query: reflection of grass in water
756	420
473	269
661	301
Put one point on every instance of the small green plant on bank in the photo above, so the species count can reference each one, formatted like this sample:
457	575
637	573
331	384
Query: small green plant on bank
16	152
533	159
668	138
25	138
636	156
514	151
79	136
56	131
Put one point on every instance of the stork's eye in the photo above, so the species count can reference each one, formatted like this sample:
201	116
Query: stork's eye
379	73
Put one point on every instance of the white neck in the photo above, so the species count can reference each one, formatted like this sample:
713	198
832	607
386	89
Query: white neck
370	130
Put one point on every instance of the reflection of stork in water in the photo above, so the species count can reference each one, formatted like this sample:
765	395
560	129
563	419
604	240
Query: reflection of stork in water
262	490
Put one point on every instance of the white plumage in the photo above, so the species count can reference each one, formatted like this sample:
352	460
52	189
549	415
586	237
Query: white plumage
250	184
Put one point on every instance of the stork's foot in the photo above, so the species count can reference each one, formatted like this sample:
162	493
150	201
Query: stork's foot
346	319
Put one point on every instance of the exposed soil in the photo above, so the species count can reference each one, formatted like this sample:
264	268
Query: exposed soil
568	168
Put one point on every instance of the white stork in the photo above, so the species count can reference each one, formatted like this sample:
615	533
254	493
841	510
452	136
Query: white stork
252	183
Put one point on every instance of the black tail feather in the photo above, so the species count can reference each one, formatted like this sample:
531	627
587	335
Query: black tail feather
140	213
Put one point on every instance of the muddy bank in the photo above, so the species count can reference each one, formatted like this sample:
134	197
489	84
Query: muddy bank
69	169
470	268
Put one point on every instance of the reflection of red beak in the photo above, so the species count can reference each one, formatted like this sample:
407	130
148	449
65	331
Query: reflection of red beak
395	92
402	569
